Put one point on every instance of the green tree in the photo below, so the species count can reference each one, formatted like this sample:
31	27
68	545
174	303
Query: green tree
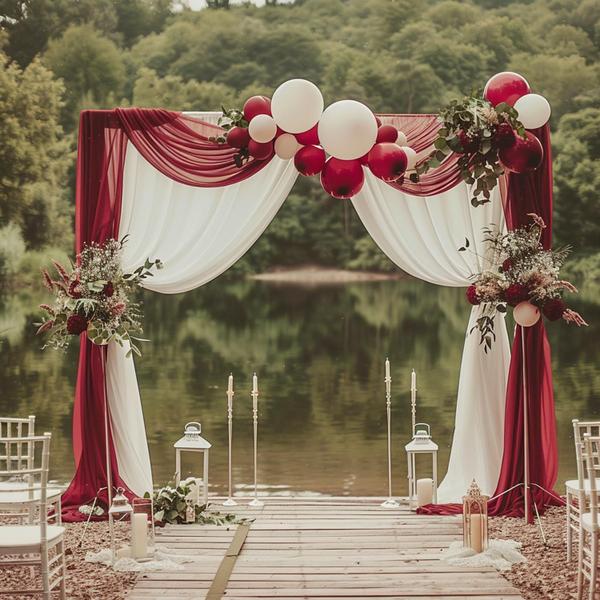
34	156
90	65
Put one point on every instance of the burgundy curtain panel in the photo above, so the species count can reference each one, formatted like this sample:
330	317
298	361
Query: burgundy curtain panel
524	194
180	147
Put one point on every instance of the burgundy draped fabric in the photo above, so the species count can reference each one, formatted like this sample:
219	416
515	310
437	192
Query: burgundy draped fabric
526	193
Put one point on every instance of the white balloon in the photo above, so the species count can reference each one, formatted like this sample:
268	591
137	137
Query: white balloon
347	129
534	110
526	314
262	128
411	155
286	146
401	140
297	105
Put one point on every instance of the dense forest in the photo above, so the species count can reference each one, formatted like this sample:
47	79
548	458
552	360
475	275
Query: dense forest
61	56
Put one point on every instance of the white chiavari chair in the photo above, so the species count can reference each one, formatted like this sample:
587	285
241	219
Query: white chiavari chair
34	545
578	488
21	502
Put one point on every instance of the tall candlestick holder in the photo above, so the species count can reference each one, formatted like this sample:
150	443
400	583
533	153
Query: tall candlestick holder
255	502
390	502
230	501
413	399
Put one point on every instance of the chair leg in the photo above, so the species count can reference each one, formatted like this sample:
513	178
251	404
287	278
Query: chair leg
46	592
593	564
569	530
63	581
580	564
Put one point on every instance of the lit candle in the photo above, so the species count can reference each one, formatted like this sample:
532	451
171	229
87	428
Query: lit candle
255	391
424	491
476	541
413	381
139	535
230	392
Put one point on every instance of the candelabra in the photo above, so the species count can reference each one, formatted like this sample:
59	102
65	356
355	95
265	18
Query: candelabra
390	502
230	501
254	394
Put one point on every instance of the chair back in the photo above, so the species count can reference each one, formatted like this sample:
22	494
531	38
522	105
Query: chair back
36	471
581	428
14	427
591	460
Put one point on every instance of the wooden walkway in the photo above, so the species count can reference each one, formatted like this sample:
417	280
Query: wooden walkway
326	549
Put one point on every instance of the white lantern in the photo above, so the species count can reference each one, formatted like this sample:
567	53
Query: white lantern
297	105
421	491
534	110
192	441
286	146
347	129
262	128
119	509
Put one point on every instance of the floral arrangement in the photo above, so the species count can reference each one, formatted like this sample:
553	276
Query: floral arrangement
95	296
520	271
479	132
171	505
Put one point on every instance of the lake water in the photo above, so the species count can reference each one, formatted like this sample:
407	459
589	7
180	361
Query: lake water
318	351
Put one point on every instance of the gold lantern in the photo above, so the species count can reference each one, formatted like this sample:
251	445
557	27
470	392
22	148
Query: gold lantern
475	519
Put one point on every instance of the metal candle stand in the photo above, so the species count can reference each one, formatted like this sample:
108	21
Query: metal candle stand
255	502
230	501
390	502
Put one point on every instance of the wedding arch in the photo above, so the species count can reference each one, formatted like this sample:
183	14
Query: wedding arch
159	177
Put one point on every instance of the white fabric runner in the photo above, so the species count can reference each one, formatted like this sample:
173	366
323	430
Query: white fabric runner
422	237
198	233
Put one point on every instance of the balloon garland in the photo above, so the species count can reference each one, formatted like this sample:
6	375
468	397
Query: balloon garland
335	143
489	131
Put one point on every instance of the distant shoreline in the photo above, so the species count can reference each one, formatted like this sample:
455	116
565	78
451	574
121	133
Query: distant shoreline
323	275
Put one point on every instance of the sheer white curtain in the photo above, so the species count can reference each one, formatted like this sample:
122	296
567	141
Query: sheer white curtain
422	237
198	233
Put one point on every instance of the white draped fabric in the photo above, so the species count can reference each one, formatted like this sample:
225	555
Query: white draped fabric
198	233
422	237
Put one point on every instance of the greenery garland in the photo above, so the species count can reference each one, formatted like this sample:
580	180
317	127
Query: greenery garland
476	130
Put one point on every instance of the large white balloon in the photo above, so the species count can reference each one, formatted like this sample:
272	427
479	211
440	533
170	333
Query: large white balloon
534	110
286	146
262	128
411	155
526	314
297	105
347	129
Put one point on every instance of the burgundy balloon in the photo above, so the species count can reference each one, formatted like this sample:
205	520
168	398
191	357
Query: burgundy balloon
387	161
505	87
260	151
256	105
309	160
504	136
387	133
310	137
524	155
342	178
238	137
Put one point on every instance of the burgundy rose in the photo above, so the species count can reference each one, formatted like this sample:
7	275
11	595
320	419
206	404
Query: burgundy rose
504	136
516	293
76	324
554	309
468	143
507	265
472	296
109	289
75	289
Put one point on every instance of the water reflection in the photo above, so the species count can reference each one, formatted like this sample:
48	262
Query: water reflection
319	353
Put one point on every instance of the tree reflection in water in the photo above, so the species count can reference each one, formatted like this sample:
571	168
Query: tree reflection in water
319	353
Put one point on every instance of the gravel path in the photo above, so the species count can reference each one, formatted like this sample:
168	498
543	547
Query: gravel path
85	581
546	575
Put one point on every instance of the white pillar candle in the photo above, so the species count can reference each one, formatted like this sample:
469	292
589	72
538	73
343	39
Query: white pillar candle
424	491
230	392
230	383
254	391
476	541
388	379
413	381
139	535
